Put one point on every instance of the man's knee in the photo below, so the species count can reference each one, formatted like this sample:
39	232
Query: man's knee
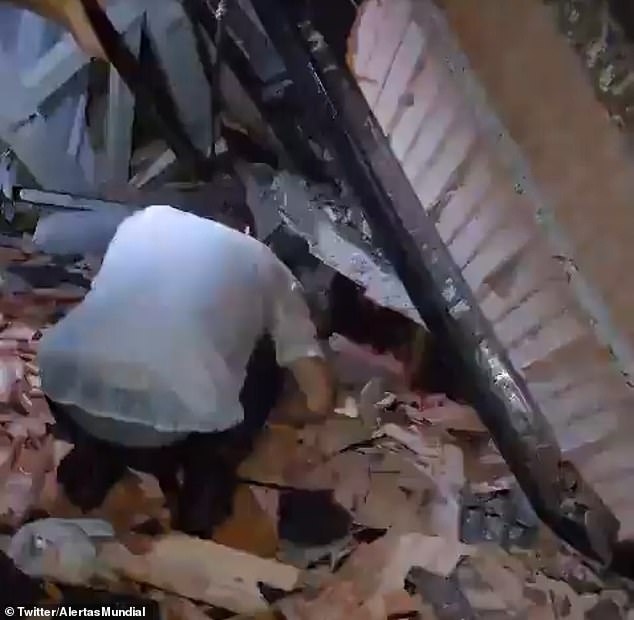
88	472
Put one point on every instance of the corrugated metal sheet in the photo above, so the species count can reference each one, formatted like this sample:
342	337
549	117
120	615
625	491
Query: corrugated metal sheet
500	233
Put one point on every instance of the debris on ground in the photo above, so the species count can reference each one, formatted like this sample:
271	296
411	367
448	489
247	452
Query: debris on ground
62	549
397	506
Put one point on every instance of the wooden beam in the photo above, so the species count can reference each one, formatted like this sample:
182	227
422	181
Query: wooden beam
121	106
65	59
203	571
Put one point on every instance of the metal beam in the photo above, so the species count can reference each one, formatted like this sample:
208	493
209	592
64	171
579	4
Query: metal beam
281	117
149	83
63	201
249	37
120	119
50	141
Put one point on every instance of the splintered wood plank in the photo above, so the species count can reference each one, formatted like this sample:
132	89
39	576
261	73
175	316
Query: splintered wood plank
370	584
203	571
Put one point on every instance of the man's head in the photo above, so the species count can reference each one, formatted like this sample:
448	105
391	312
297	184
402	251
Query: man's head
227	203
223	199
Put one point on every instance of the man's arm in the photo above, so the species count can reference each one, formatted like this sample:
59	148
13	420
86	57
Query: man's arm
297	349
70	15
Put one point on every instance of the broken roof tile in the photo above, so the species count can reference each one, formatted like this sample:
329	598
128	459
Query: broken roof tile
406	478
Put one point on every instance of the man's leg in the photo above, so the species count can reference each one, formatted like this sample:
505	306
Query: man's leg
88	472
91	468
211	460
164	463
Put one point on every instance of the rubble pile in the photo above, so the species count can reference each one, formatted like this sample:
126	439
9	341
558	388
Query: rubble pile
36	291
397	506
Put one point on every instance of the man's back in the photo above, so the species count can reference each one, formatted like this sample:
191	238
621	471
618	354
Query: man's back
165	335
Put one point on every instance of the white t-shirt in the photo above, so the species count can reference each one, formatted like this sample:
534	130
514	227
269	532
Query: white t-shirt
163	338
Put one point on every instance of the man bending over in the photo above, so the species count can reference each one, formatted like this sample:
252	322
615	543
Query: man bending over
169	364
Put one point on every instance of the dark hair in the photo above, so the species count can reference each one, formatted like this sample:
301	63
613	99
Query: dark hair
233	210
223	199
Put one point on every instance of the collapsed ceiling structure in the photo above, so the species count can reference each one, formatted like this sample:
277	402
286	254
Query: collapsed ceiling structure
406	192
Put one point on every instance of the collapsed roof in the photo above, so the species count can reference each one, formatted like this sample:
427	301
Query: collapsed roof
461	215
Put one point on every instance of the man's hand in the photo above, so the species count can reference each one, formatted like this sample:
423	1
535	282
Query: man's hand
308	396
292	410
315	380
69	14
